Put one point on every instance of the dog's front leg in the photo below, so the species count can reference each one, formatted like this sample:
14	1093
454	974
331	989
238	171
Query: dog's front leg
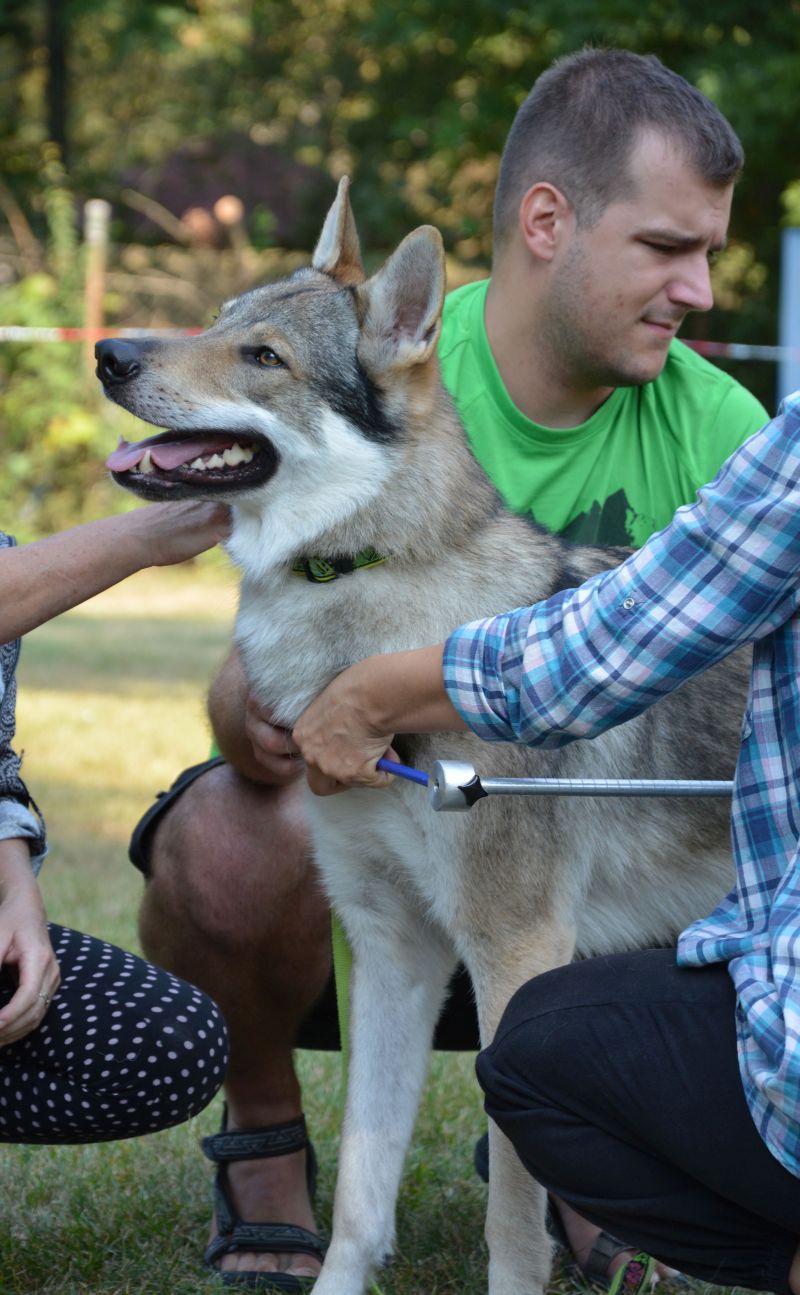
519	1247
399	976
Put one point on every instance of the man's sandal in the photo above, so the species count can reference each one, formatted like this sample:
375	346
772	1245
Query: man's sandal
233	1234
605	1248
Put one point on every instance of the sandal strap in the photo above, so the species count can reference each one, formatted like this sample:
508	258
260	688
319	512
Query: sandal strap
266	1238
256	1144
233	1233
605	1248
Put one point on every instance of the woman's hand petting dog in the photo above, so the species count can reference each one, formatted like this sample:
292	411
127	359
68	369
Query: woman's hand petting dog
173	532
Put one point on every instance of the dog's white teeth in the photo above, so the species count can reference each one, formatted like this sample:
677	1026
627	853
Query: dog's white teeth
230	457
236	454
146	464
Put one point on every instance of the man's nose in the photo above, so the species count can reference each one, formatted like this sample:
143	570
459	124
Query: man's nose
691	287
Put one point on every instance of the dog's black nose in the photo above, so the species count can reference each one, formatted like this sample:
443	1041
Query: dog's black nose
117	361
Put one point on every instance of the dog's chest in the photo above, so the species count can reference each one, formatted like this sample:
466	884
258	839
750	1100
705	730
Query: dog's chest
294	636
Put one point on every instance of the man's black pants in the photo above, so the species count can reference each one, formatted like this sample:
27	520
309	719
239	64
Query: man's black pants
616	1079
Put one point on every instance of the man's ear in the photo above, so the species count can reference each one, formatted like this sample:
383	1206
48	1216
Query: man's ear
338	253
544	217
402	304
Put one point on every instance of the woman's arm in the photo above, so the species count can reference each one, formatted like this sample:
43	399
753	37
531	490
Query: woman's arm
43	579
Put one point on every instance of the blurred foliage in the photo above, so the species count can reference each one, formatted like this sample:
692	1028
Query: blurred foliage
150	103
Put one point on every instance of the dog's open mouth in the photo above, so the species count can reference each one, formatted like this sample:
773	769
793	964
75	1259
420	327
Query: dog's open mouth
214	461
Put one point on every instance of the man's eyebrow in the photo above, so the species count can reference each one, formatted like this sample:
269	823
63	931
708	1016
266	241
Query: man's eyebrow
677	239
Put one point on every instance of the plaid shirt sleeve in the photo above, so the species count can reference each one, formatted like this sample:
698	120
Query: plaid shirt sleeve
724	572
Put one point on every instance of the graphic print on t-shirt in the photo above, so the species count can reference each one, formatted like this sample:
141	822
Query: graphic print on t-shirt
611	522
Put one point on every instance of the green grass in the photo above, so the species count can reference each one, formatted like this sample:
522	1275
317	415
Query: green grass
110	708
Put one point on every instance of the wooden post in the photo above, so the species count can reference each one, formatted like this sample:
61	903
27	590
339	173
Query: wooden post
96	221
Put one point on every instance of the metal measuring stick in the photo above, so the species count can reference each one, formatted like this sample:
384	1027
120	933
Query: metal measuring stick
455	785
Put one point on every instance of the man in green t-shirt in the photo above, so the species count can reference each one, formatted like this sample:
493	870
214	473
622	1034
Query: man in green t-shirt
614	194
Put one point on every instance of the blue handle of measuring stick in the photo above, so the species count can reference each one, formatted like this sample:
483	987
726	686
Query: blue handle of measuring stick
403	771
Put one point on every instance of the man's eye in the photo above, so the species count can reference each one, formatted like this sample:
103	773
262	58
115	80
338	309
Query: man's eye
268	359
666	249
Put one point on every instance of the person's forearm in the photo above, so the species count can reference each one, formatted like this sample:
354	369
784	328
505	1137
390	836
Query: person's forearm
16	875
43	579
404	692
39	581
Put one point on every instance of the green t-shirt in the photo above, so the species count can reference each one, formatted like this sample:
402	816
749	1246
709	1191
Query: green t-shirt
619	476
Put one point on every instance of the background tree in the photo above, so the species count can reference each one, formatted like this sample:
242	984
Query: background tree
165	106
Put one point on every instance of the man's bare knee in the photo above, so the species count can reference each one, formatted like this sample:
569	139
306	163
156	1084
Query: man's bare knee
226	860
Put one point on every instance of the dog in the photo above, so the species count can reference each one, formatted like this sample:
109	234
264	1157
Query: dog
315	406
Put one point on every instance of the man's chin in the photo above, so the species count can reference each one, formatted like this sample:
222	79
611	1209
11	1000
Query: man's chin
637	370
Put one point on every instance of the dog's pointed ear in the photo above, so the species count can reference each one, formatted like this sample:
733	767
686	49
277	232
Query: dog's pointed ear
402	304
338	253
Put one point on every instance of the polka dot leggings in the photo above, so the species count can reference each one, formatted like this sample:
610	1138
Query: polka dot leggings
124	1048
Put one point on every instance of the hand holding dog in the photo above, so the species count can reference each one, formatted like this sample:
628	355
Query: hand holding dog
350	725
339	736
245	731
273	748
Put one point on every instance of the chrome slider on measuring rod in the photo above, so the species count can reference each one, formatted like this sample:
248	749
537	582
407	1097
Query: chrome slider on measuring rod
454	784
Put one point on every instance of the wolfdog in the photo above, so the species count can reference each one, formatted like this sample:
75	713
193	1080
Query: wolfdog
314	405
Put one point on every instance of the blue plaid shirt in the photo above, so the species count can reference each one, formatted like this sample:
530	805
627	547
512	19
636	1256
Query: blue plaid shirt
725	572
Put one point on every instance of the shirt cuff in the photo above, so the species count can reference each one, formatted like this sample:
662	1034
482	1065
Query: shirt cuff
481	673
18	822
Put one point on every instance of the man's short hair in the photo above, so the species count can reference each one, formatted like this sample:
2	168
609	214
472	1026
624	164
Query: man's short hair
580	122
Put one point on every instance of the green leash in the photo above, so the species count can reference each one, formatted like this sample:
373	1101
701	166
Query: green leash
342	964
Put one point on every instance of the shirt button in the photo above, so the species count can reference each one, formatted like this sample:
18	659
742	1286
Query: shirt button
629	604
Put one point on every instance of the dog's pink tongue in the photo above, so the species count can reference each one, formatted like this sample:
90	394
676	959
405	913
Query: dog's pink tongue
165	455
125	456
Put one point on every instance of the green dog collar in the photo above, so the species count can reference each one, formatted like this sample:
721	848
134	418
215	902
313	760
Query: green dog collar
322	570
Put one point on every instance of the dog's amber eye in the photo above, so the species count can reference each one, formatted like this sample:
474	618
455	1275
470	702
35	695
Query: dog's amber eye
268	359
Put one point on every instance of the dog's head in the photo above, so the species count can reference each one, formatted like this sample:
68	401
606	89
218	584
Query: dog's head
308	381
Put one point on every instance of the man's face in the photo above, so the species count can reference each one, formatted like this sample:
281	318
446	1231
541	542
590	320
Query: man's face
623	286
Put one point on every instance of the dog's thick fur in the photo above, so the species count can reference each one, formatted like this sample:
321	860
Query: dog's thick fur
333	380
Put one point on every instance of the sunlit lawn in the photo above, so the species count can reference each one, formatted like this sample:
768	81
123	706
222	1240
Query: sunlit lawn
111	707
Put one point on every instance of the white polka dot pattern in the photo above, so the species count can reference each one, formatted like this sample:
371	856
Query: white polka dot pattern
124	1049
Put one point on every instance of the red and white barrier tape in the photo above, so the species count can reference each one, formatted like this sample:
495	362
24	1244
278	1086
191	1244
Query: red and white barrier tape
743	351
18	333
